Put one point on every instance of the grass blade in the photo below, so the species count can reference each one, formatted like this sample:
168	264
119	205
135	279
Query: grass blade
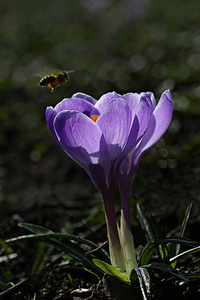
184	254
174	249
149	249
145	224
144	281
159	236
168	269
45	233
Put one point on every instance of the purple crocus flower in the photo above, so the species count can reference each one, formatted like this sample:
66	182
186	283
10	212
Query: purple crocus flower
99	135
158	124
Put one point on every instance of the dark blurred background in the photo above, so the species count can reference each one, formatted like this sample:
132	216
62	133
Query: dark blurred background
125	46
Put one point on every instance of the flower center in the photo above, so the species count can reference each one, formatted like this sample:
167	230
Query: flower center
94	117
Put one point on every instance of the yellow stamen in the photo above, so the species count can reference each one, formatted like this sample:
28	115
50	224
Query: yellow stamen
94	117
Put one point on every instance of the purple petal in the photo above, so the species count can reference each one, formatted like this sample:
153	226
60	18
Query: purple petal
77	104
133	100
153	100
139	125
159	122
50	116
115	123
144	114
85	97
105	100
125	168
82	139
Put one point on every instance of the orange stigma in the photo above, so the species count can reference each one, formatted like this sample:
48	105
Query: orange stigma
94	117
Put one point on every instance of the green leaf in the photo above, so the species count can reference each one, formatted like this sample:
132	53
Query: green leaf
58	237
111	270
168	269
146	224
67	246
148	251
153	231
185	220
44	233
77	253
184	254
159	236
89	271
35	228
193	276
175	248
144	280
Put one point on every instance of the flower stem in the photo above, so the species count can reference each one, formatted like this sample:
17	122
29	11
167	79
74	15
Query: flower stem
127	244
125	187
126	236
116	254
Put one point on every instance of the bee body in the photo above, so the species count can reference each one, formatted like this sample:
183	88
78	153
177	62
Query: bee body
54	79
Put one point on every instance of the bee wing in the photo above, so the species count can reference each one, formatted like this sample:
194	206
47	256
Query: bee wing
71	71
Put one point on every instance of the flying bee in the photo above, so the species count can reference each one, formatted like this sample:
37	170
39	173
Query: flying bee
55	79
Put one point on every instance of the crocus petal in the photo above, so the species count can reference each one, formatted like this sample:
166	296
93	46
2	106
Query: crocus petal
115	122
133	100
80	137
144	114
153	100
105	100
140	123
159	122
50	116
83	141
85	97
77	104
157	126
